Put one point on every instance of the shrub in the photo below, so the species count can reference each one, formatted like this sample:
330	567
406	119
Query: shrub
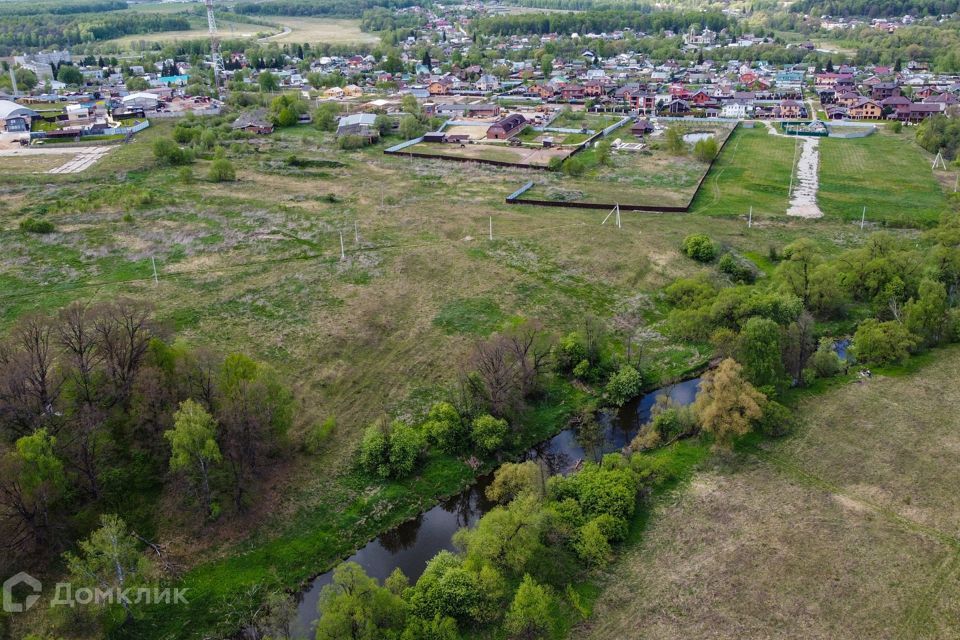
32	225
489	433
574	166
315	438
375	451
624	385
530	612
825	363
699	247
348	143
706	150
592	545
777	420
167	151
186	175
738	269
221	170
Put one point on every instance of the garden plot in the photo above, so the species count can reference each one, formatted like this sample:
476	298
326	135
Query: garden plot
520	156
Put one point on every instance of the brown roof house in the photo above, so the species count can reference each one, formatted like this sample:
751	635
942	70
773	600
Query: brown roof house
506	128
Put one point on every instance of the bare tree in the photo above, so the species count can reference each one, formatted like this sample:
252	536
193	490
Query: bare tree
125	329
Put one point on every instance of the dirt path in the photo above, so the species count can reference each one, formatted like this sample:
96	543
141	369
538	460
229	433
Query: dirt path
803	199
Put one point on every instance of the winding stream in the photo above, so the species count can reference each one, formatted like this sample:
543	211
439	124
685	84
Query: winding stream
412	544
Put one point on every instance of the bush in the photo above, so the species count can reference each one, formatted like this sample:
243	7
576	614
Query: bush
530	612
32	225
574	166
738	270
624	385
349	143
592	546
221	170
699	247
489	433
825	363
777	420
568	352
318	435
390	452
706	150
186	175
167	151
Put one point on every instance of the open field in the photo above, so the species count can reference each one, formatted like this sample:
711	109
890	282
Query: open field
198	31
300	29
36	163
886	172
535	156
254	266
849	529
753	170
652	177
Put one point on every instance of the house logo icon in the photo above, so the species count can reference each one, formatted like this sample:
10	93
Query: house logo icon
9	605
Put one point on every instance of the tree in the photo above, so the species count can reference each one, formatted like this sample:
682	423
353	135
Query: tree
194	446
410	128
758	350
881	343
529	614
488	433
726	404
31	479
26	79
796	271
221	170
411	106
268	82
166	151
445	429
514	479
624	385
354	607
676	145
70	75
109	560
592	546
546	65
326	116
926	316
448	588
390	451
136	83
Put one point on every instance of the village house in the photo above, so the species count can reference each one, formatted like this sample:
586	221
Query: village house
865	109
506	128
253	122
359	124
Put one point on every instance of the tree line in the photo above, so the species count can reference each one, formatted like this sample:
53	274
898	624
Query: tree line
61	8
643	19
38	31
876	8
940	134
328	8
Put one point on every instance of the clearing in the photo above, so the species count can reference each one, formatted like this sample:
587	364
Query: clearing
849	529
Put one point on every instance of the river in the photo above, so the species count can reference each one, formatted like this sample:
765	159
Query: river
412	544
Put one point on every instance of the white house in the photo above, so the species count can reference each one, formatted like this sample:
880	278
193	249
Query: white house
734	110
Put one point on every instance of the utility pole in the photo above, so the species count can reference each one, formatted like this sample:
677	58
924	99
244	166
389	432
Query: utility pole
863	218
750	218
356	233
343	255
619	226
216	59
793	169
156	280
491	229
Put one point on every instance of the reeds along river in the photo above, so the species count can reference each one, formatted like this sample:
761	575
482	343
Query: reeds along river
412	544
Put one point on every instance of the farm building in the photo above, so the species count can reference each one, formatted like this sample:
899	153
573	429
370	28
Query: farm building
15	118
253	122
506	128
141	99
359	124
641	128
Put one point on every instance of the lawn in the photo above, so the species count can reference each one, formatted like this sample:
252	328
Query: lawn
886	173
753	170
255	266
846	530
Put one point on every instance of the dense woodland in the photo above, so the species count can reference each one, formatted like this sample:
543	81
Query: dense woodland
876	8
329	8
45	30
595	21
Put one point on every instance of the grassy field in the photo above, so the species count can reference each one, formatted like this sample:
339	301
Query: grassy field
35	163
255	266
296	29
848	529
887	173
753	170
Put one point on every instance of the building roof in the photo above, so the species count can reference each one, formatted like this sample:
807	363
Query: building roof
140	95
9	109
358	119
